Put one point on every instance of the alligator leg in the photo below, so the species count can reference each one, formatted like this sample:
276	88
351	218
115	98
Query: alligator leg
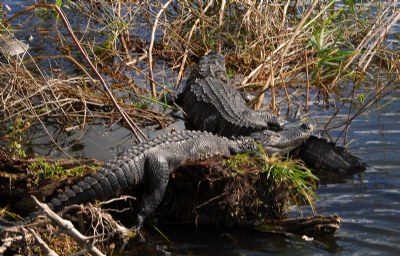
156	176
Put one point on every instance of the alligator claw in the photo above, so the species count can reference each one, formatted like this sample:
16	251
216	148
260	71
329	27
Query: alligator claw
138	235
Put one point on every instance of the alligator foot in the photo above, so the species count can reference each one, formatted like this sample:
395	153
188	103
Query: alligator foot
138	234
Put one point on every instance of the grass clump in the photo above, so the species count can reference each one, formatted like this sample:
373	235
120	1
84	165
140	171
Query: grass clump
298	180
286	180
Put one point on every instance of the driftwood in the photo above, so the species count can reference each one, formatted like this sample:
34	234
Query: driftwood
315	225
103	228
66	226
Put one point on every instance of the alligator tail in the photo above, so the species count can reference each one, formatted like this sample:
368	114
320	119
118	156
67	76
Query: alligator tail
4	224
115	178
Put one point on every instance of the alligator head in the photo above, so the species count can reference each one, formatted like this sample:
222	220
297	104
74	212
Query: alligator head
284	141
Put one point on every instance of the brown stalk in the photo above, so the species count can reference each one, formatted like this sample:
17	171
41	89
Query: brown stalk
307	81
289	43
186	52
273	99
221	16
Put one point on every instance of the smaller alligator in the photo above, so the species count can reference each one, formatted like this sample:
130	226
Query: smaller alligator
212	106
150	162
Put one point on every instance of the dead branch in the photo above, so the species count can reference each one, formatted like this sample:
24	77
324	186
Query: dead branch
43	244
7	242
66	226
153	34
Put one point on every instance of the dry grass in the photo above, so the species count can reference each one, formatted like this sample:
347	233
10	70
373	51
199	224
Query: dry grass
273	47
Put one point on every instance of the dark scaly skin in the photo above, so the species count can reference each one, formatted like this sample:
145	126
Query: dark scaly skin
150	162
212	106
326	155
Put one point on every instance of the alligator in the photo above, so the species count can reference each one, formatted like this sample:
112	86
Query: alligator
210	104
149	162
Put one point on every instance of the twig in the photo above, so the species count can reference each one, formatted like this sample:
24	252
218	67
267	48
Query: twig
307	81
273	98
43	244
383	33
371	102
365	43
123	198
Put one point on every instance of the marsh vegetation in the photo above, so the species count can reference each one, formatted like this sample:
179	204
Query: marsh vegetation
119	62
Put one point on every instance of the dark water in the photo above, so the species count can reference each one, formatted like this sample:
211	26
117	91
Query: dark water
368	203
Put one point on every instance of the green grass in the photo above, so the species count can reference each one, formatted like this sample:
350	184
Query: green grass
297	178
52	171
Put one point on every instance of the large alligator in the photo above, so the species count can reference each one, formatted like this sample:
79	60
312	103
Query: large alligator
210	104
150	162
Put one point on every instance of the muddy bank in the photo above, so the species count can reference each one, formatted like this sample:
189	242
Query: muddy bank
205	192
